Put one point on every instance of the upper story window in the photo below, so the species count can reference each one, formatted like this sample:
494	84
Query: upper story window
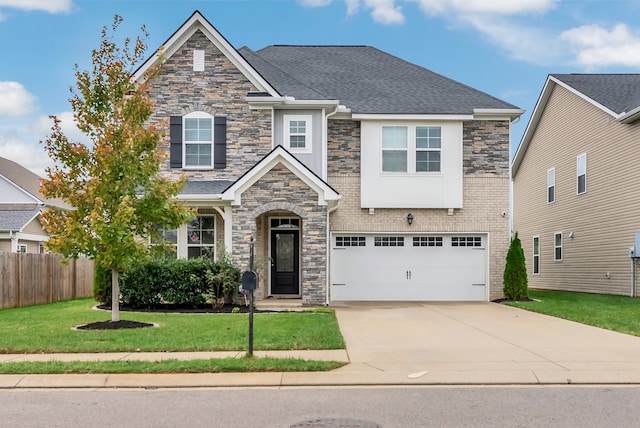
394	148
297	130
551	185
428	146
198	140
581	172
411	149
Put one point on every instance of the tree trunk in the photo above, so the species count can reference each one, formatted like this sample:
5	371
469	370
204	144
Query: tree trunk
115	296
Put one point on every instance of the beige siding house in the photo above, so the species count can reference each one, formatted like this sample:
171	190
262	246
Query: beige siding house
352	184
575	176
20	205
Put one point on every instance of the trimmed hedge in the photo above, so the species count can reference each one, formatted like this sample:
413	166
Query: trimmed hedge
190	283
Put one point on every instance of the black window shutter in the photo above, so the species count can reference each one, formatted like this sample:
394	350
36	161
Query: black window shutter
175	142
219	142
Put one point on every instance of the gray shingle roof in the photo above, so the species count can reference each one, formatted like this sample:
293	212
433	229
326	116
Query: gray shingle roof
366	80
214	187
15	219
619	93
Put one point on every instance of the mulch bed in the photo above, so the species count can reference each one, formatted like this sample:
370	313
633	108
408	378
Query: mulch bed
165	308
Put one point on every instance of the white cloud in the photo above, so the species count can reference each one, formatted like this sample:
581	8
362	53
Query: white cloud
596	46
385	11
353	7
51	6
15	100
495	7
30	154
315	3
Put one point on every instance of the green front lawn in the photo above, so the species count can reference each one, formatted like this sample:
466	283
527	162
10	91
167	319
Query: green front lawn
48	329
617	313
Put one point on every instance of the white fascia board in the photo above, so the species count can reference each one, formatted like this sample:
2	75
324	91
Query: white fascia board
497	113
412	117
11	183
630	117
325	192
198	22
584	97
199	197
533	123
288	102
30	237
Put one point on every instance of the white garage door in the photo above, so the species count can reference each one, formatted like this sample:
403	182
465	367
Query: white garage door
409	267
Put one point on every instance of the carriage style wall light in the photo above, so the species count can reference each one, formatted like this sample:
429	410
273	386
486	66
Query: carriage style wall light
409	218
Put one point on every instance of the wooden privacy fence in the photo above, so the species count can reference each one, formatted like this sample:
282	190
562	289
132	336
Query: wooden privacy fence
32	279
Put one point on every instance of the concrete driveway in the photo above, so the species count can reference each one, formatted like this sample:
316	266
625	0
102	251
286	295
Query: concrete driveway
457	342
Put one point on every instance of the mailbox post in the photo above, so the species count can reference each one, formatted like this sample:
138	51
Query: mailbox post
250	282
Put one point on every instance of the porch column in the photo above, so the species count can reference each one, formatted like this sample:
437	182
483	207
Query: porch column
227	216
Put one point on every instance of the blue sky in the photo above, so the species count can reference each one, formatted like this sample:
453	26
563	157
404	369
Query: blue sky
503	47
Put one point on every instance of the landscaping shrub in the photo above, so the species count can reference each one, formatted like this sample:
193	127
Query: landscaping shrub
515	272
102	284
181	282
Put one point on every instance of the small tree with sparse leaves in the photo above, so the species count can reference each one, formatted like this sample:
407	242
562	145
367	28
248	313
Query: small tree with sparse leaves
515	272
114	185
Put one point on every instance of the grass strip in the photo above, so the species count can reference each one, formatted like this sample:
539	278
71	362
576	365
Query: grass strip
222	365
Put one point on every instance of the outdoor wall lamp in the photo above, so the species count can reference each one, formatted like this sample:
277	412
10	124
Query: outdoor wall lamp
409	218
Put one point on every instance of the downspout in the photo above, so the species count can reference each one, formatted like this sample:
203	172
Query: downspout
330	210
328	241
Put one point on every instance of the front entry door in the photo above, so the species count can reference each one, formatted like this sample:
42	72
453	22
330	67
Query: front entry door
285	262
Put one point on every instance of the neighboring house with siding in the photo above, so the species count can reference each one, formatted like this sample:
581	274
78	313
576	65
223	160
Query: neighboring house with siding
20	206
358	175
576	203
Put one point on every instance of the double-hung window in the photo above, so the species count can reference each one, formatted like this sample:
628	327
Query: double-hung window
201	237
298	133
557	247
428	147
581	172
536	255
394	148
551	185
198	140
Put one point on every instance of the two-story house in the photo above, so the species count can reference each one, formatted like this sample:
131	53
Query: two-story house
356	174
20	206
574	178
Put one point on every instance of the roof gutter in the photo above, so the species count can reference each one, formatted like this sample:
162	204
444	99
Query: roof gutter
629	117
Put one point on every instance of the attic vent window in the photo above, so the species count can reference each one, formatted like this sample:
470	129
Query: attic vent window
198	60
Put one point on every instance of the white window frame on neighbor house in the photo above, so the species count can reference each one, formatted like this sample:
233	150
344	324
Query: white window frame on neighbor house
203	138
536	255
407	144
581	172
22	248
290	134
551	185
557	246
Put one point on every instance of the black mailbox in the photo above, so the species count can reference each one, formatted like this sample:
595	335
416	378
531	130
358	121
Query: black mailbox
249	280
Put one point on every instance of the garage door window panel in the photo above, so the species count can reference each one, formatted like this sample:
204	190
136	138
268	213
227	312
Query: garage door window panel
350	241
466	241
427	241
388	241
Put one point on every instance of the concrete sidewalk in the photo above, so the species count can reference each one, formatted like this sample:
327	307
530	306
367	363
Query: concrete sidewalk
406	344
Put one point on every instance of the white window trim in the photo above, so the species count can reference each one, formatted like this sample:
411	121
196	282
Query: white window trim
215	236
21	246
583	156
411	150
307	118
556	246
550	184
536	255
196	115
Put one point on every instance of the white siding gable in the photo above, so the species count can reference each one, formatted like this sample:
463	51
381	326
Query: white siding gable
411	189
12	194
